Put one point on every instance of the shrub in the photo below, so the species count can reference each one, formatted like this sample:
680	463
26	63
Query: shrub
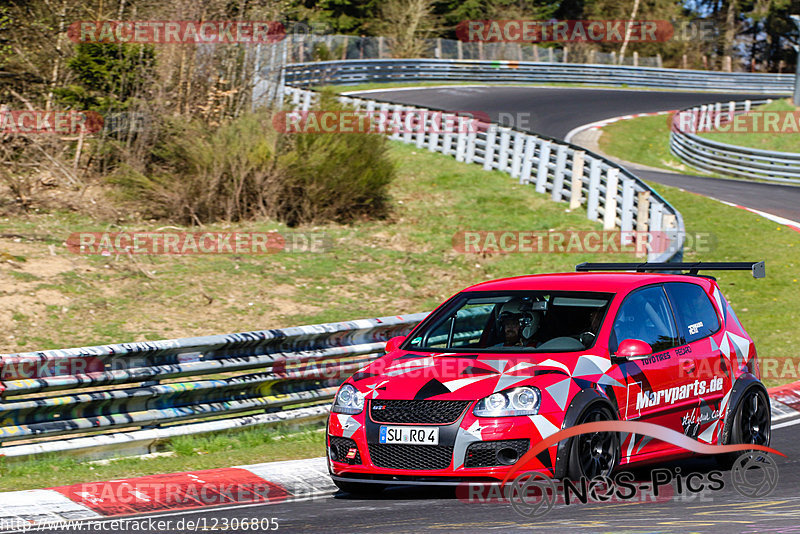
331	177
242	169
203	175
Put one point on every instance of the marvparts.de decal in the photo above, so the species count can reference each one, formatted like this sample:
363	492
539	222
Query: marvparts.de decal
676	393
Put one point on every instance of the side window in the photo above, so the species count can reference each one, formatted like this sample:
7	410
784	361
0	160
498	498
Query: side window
645	315
694	309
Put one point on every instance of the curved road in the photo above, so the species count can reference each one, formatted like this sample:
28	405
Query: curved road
554	111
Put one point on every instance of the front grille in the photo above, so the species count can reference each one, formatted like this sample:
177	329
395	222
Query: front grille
425	412
340	447
401	456
484	453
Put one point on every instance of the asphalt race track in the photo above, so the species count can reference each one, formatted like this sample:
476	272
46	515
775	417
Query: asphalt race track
414	510
554	111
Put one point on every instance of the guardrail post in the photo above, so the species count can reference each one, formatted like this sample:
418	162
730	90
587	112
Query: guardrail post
656	210
502	156
558	177
747	105
796	92
576	185
627	210
593	202
610	208
488	157
306	101
461	141
422	125
516	156
408	122
703	117
433	135
447	138
544	162
397	122
527	159
469	157
643	210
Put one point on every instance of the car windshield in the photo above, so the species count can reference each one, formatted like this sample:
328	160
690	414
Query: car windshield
514	321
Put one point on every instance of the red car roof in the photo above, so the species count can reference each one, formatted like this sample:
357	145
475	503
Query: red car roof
605	282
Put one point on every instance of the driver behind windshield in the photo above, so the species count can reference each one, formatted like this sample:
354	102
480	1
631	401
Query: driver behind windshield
519	324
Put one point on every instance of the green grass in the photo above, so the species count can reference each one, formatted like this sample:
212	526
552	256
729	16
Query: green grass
643	140
189	453
784	142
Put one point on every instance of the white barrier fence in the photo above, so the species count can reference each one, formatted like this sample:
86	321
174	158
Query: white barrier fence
724	158
608	192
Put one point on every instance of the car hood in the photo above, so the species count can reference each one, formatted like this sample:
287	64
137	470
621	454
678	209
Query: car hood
445	376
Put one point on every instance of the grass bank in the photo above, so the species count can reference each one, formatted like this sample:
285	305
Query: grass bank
788	140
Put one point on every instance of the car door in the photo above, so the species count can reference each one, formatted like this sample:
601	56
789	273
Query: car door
654	386
699	358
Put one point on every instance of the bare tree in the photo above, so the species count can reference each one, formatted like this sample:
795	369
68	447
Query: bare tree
406	25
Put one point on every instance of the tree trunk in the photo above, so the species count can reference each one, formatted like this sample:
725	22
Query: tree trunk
627	38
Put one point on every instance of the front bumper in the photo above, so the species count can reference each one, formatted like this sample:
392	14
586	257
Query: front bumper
470	449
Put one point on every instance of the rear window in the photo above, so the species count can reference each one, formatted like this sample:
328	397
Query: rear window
695	310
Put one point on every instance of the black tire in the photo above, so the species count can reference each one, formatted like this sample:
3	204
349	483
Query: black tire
751	424
359	489
596	454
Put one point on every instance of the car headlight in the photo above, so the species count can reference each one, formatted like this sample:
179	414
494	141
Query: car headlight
348	400
517	401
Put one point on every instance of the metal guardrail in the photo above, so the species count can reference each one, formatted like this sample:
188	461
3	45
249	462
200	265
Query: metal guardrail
134	394
566	172
723	158
421	70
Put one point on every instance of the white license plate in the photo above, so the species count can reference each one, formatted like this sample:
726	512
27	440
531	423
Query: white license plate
413	435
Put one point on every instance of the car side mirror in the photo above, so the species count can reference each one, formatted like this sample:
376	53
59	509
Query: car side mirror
394	343
633	349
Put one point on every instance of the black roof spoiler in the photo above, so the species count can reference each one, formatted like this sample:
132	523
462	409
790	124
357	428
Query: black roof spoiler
756	267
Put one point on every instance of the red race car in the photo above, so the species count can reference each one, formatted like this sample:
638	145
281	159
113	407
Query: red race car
504	364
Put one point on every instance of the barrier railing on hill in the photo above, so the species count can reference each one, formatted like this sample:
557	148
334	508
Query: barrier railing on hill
444	70
715	156
132	395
